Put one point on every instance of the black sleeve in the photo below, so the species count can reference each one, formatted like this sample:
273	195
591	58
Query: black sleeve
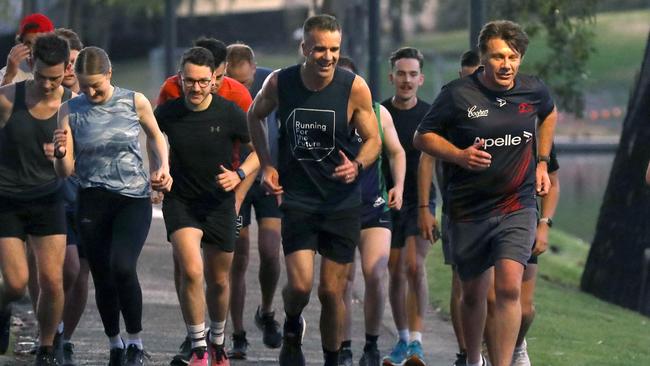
439	115
160	117
553	165
239	123
546	103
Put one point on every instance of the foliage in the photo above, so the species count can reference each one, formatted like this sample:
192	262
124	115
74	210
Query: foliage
130	7
569	36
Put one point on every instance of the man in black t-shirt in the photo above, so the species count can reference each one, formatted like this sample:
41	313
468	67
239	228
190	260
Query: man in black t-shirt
485	125
406	263
199	211
319	106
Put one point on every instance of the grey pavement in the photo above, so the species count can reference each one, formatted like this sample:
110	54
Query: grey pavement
164	328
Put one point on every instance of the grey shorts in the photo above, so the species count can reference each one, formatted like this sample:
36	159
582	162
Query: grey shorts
478	244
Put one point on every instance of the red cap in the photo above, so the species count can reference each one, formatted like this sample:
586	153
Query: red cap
35	23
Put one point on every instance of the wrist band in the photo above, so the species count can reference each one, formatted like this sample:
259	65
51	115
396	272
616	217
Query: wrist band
422	206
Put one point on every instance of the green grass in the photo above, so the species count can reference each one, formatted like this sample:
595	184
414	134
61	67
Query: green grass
571	327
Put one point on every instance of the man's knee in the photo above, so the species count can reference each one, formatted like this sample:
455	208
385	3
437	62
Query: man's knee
507	292
328	292
14	288
50	283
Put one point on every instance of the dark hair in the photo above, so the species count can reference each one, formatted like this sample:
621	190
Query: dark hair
198	56
406	52
69	35
509	31
347	62
92	61
51	50
323	22
238	53
215	46
470	59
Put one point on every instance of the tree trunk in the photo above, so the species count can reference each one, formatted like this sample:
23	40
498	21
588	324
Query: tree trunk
614	268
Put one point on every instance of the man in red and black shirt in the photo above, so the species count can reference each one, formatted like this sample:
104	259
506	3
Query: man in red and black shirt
485	125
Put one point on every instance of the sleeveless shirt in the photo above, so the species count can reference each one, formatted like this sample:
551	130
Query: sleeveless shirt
313	129
106	146
25	172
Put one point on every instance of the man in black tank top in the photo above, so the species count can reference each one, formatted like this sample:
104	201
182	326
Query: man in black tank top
31	204
486	126
318	105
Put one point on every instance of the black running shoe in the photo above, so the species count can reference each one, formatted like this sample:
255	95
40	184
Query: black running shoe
291	351
271	336
134	356
182	358
68	355
370	357
45	357
345	357
117	357
239	347
461	359
58	347
5	328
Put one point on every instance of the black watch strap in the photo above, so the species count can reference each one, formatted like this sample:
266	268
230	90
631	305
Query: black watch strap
544	158
240	172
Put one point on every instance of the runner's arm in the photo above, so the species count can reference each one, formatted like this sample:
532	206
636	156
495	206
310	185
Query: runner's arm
158	152
63	142
365	121
396	158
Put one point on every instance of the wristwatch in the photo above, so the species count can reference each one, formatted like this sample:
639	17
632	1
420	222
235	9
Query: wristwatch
544	158
240	172
546	220
359	166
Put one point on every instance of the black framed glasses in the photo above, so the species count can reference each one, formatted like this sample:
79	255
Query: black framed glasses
189	83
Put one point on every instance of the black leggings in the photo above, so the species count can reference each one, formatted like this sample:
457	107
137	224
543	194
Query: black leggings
113	229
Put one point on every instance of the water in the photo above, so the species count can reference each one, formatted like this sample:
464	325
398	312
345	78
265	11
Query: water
583	180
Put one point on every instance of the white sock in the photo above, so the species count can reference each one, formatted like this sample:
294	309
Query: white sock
480	362
217	330
416	336
134	339
59	329
403	335
116	342
197	335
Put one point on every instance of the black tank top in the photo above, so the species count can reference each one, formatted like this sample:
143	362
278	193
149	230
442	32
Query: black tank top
313	129
25	172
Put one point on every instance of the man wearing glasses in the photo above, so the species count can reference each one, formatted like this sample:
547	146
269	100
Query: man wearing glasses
199	211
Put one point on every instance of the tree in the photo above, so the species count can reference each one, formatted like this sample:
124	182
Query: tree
613	270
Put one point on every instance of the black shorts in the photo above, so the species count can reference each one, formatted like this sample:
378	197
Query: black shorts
444	238
379	219
478	244
334	235
73	232
41	216
215	219
266	205
405	224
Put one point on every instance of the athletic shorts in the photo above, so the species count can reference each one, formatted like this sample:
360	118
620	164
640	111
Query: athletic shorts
405	224
444	238
478	244
334	235
41	216
73	232
215	219
266	205
377	219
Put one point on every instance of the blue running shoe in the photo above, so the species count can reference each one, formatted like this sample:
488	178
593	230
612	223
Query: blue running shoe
397	356
414	355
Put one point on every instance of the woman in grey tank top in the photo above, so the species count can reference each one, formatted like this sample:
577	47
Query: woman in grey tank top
97	138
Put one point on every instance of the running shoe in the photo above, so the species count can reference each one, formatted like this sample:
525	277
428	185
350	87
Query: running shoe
182	358
199	357
57	344
520	355
461	359
134	356
5	328
218	356
117	357
45	357
271	336
397	355
370	357
239	347
345	357
291	351
415	355
68	354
